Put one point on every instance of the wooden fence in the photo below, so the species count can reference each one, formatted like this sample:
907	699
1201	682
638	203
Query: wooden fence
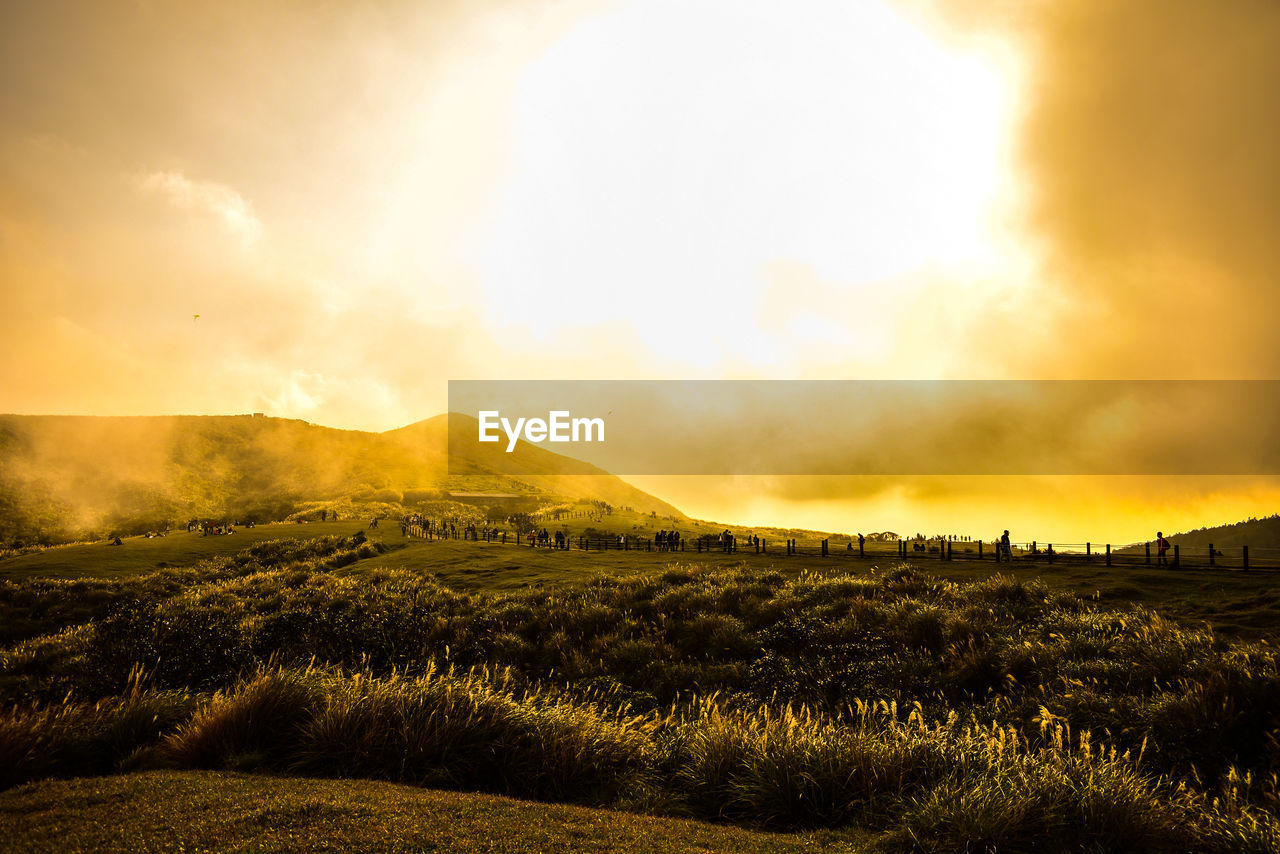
920	550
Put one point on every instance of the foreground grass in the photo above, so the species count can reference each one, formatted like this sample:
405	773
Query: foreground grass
207	811
910	785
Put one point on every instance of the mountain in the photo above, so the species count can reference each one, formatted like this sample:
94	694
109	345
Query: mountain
1262	536
67	476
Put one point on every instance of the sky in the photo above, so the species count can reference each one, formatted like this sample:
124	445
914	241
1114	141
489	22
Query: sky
326	211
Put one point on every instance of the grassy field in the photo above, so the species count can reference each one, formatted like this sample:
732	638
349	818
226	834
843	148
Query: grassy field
1236	604
914	711
206	811
178	549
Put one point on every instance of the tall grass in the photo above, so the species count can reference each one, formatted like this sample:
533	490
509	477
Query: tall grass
471	731
947	785
68	738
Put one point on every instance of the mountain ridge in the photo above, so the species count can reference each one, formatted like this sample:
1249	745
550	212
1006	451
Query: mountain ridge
63	476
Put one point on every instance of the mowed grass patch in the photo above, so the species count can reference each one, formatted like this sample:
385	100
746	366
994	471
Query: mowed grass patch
465	565
179	548
207	811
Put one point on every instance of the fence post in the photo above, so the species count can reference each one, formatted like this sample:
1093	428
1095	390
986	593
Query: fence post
979	549
1108	554
1175	556
1050	551
764	546
862	549
1246	558
1088	549
948	550
1211	561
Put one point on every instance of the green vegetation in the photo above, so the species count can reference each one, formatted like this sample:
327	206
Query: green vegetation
1236	604
991	714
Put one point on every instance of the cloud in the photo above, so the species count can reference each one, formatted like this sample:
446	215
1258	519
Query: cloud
1147	151
208	197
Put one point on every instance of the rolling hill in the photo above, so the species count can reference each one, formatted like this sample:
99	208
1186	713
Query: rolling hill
1262	536
63	477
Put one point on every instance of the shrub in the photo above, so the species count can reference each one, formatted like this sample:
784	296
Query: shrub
259	720
78	739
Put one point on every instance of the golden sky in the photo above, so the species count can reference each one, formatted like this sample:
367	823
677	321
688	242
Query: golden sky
362	201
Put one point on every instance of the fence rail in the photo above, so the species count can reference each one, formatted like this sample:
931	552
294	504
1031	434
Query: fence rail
1239	557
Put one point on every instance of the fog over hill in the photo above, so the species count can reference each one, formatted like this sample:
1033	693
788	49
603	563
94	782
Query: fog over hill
69	476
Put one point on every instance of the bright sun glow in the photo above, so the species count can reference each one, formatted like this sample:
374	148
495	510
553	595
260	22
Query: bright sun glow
666	153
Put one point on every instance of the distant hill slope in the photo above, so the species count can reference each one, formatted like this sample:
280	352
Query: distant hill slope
65	476
1254	533
1257	534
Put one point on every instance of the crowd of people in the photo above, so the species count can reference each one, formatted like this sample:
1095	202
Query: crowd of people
418	524
449	528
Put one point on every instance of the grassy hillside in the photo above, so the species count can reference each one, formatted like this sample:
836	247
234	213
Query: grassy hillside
63	477
1258	534
1236	604
992	714
208	811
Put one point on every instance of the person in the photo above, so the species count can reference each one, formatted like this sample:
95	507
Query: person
1162	546
1006	548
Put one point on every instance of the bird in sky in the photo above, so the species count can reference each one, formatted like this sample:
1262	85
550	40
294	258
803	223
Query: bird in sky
194	318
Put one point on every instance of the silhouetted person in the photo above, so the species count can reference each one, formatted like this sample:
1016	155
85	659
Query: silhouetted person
1006	548
1162	546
